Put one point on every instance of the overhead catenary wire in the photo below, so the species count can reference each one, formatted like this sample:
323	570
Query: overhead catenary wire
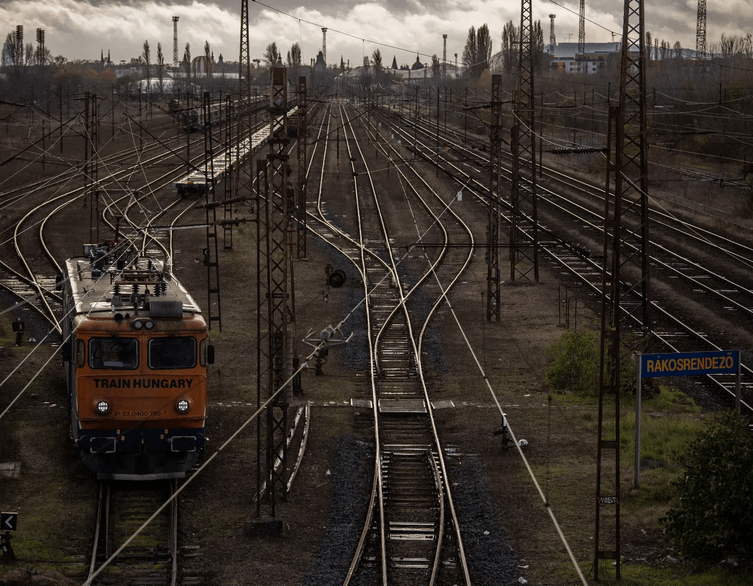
504	416
256	414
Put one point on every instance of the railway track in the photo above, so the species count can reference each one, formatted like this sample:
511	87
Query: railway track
147	559
680	252
411	535
34	281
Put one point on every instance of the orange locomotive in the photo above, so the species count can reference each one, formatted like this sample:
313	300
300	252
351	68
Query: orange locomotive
136	361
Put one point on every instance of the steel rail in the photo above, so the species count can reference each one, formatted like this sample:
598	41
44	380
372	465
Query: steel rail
401	307
378	492
435	307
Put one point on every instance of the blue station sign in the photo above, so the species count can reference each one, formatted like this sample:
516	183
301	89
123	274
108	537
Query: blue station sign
690	363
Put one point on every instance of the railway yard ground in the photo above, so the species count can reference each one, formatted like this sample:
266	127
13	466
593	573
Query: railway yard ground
55	495
499	507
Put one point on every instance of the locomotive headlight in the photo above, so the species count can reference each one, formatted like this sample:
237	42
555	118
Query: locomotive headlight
103	407
138	324
182	406
149	324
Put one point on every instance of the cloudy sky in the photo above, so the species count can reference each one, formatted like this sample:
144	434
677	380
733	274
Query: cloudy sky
80	29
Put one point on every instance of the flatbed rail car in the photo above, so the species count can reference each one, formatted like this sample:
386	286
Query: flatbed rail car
196	181
136	360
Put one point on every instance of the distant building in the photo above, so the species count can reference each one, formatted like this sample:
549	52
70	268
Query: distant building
596	56
320	65
202	65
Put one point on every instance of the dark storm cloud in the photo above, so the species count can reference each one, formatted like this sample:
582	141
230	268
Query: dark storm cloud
80	29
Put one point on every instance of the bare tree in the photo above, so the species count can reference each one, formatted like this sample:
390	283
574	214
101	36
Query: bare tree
160	67
294	59
147	56
436	67
271	54
376	60
16	56
537	40
478	51
677	50
295	55
187	59
484	45
510	39
665	49
208	59
470	52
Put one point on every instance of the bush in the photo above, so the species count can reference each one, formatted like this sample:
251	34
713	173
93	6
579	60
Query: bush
713	519
576	362
575	366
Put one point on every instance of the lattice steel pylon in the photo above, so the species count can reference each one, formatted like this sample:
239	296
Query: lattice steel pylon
495	161
175	41
444	56
91	162
301	152
700	30
228	176
524	239
273	296
243	184
625	273
552	37
582	28
211	255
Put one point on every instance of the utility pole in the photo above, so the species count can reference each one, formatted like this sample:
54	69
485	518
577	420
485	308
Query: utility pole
91	165
524	259
175	42
582	28
246	108
229	175
211	254
582	37
301	151
700	31
552	38
274	291
495	161
625	272
444	57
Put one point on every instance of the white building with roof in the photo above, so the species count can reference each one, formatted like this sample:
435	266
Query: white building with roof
564	56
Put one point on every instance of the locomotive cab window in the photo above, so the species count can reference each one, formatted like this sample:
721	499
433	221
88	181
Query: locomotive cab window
80	353
167	353
114	353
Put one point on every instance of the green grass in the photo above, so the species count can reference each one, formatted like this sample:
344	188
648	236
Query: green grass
670	423
666	575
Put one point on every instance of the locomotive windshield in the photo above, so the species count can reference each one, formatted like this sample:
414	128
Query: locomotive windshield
114	353
172	353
